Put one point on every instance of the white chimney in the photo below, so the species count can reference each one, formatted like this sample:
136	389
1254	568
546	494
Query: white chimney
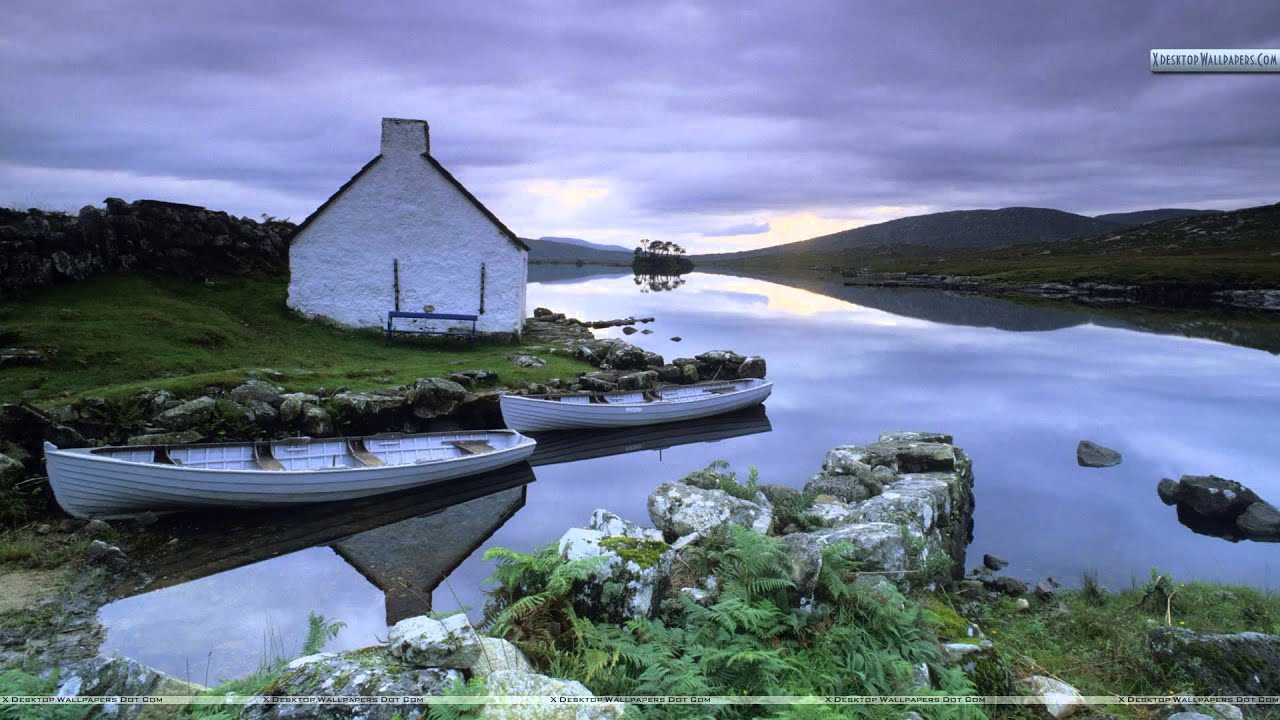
403	137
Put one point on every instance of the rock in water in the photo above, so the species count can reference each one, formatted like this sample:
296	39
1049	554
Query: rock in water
991	562
1261	521
1089	454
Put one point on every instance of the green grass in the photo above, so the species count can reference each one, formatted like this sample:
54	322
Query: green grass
1099	644
115	334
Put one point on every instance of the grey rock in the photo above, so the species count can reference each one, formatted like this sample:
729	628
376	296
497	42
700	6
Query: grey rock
643	380
109	677
11	471
369	673
676	338
434	397
1169	491
293	405
508	682
1090	454
629	330
146	519
497	654
914	436
1044	590
1260	521
1213	497
991	562
423	641
259	390
877	545
1058	699
316	422
96	529
752	367
167	438
1012	587
14	357
367	410
618	588
1221	664
188	415
678	509
527	361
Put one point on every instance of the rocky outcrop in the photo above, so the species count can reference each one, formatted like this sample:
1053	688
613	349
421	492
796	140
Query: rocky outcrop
1220	664
901	500
680	508
633	562
100	676
424	656
1224	508
39	248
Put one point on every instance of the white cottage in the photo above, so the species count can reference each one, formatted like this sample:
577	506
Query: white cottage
404	234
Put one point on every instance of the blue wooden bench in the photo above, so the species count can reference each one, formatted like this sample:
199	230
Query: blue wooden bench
394	315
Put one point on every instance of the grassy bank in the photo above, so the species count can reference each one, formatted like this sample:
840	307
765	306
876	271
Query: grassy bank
1233	265
115	334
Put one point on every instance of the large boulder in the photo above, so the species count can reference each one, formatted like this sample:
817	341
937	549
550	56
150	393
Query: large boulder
370	672
1220	664
424	641
679	509
1261	521
1211	497
367	411
189	415
1058	699
102	676
434	397
626	582
259	390
752	367
509	682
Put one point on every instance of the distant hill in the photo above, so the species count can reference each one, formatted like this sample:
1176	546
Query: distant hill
1142	217
583	243
568	250
945	230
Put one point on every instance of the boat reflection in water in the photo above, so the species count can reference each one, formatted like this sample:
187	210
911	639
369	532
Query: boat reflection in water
562	446
405	544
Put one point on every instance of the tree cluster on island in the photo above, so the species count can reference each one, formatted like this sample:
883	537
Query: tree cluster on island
660	257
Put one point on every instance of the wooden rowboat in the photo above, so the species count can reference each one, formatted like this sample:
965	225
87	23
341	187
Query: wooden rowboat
531	413
109	482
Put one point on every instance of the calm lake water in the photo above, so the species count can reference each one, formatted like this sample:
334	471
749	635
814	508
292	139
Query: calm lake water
1017	386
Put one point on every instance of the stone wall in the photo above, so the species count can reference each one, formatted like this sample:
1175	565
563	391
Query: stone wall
39	248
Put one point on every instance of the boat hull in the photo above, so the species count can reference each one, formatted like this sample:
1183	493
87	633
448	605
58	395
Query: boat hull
529	414
90	486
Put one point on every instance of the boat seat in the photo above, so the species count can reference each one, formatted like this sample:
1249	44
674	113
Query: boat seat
473	447
263	458
355	446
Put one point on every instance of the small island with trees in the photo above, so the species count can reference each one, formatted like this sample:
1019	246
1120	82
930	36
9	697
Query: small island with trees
660	257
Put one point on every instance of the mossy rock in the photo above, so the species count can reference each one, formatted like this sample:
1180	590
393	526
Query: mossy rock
644	553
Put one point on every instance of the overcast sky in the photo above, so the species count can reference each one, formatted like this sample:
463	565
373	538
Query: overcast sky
719	125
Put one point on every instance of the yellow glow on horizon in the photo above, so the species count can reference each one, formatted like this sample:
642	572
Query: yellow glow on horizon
570	195
804	225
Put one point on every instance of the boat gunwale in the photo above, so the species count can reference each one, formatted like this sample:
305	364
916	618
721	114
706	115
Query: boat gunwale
95	455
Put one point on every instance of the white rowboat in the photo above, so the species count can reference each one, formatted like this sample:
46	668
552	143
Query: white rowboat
533	413
109	482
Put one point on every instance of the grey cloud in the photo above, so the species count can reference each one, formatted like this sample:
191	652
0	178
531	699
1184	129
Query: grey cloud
689	109
744	229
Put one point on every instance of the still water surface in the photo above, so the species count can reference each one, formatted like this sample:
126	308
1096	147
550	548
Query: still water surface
1017	386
